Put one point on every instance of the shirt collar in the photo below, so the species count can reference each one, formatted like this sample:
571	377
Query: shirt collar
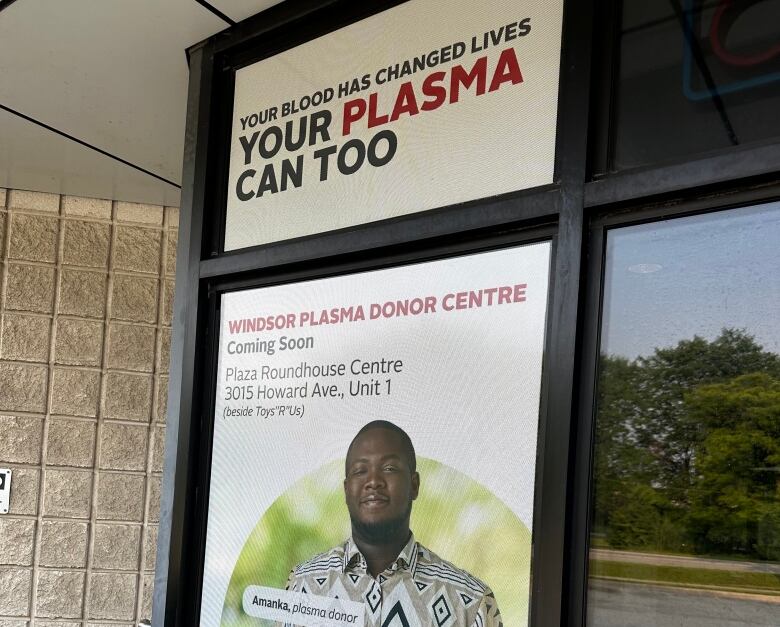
407	558
352	556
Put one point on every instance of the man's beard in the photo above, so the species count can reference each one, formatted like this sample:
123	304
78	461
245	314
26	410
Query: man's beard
382	531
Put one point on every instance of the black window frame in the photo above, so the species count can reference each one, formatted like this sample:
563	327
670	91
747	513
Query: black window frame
573	213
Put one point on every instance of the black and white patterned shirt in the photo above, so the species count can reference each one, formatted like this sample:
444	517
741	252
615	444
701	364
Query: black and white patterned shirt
419	589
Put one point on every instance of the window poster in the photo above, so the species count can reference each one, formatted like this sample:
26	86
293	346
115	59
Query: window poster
424	105
374	448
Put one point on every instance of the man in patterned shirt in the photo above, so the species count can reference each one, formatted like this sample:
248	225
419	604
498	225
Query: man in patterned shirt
400	582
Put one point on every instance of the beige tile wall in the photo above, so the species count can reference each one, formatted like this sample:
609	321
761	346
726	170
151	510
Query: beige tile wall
85	305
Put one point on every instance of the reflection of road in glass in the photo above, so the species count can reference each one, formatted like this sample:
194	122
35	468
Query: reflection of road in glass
618	604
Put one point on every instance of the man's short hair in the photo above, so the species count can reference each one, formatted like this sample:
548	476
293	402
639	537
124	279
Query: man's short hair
389	426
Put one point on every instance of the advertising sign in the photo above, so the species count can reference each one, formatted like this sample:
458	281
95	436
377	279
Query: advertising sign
428	104
374	446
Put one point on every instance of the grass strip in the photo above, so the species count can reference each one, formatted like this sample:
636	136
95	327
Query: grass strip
764	583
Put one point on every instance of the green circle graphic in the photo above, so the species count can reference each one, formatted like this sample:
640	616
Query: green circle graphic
454	516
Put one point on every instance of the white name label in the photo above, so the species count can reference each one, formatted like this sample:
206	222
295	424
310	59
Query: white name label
298	608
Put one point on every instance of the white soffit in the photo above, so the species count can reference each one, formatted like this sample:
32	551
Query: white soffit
112	74
238	10
32	157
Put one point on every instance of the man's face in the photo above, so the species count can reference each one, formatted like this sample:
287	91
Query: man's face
379	485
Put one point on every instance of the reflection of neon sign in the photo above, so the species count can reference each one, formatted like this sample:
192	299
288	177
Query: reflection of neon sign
726	15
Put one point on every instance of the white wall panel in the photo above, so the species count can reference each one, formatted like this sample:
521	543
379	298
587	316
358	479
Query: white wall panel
112	73
32	157
241	9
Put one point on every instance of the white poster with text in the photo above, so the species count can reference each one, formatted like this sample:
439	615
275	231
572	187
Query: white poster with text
428	104
450	352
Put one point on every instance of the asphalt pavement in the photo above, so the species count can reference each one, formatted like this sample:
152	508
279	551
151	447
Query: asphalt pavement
619	604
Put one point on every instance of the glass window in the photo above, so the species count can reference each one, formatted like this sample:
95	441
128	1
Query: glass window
685	525
694	76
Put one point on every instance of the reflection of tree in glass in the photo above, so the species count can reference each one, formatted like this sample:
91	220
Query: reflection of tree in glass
688	449
454	516
736	505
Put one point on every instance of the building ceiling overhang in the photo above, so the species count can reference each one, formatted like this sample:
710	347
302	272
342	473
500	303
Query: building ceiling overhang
93	95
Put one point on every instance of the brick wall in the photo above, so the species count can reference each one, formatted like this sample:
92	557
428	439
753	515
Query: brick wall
86	290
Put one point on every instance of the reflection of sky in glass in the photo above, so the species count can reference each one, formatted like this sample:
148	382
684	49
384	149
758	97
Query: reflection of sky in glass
668	281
